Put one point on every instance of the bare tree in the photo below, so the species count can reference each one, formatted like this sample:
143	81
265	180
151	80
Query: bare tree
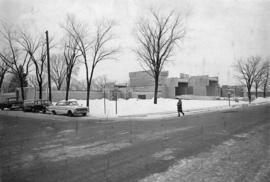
71	55
17	61
265	76
58	70
258	81
32	81
97	48
157	37
249	70
36	48
3	71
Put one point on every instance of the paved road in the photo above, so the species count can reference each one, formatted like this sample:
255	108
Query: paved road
58	148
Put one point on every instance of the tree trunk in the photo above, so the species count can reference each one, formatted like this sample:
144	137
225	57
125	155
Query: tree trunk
68	86
22	90
264	90
256	90
40	90
89	85
156	88
1	82
249	94
88	93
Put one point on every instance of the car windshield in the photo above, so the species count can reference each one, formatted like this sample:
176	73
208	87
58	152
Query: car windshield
72	103
60	103
67	103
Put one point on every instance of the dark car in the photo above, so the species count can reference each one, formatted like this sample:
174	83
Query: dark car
36	105
11	103
41	105
28	105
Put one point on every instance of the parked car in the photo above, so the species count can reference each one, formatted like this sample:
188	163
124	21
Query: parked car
70	107
41	105
11	103
36	105
28	105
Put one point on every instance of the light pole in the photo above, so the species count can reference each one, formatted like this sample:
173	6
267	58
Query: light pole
49	71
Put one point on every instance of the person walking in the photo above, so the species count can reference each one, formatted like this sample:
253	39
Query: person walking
179	108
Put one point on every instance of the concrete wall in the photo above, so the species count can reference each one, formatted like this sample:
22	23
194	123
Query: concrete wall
199	84
142	78
148	95
195	85
31	94
170	85
142	83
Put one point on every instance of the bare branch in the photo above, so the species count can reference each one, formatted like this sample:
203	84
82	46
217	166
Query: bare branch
157	37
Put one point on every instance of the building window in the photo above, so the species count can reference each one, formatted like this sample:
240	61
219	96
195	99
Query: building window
141	96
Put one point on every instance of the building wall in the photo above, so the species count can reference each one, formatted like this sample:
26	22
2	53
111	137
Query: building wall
31	94
199	84
170	85
213	88
237	91
147	95
142	83
182	89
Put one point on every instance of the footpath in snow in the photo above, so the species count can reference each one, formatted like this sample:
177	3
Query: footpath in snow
164	107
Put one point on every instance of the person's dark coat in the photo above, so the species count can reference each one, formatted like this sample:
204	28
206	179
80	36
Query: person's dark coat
179	106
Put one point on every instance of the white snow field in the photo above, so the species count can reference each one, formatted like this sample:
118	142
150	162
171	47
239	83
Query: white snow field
141	108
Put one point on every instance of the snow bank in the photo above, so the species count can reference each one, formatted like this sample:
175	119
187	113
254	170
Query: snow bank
262	100
143	107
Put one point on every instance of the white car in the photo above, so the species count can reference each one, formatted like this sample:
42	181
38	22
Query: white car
70	107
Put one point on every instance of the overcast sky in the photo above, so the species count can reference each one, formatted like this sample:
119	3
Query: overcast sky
218	31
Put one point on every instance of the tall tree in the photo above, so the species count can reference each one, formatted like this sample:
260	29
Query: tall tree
265	76
71	55
36	48
248	70
32	81
259	78
157	37
15	81
17	60
58	70
97	48
3	71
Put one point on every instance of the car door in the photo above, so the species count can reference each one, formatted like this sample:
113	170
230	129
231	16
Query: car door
60	107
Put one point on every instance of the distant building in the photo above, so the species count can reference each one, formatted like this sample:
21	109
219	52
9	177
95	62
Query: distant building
193	85
234	90
142	85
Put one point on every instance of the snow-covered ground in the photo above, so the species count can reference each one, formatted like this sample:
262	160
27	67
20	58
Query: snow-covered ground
144	107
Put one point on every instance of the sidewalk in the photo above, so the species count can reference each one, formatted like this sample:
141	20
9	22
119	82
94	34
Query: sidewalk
189	111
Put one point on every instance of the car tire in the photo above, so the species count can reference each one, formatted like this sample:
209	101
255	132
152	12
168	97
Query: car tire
69	113
84	114
53	112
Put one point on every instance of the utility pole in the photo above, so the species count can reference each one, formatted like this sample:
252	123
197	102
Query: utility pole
49	70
